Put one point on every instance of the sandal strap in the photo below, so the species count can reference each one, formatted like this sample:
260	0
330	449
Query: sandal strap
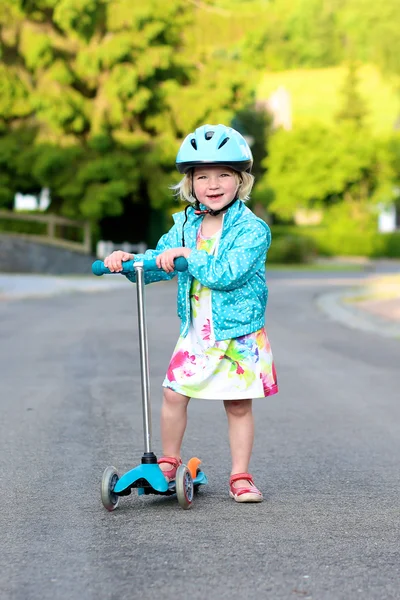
247	490
238	476
171	460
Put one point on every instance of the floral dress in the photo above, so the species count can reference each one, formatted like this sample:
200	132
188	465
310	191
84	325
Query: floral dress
233	369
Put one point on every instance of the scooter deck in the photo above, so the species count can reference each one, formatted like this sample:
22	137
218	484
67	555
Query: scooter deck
149	479
200	479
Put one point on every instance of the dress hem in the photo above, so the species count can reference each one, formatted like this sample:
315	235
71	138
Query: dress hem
274	390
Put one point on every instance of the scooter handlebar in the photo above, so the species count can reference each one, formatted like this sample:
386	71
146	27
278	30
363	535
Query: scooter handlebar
128	266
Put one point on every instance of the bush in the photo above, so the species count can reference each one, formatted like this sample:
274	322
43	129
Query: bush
389	246
292	249
27	227
346	243
338	236
326	241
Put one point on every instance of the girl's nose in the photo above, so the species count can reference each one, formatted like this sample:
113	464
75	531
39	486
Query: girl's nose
213	182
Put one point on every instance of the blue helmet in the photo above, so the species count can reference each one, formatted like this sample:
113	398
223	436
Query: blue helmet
214	145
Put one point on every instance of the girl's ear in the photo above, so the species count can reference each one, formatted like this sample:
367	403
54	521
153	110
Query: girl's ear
239	184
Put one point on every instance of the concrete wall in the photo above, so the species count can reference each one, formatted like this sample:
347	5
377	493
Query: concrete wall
19	255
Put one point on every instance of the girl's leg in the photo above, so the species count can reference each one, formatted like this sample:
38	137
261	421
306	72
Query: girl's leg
173	424
241	435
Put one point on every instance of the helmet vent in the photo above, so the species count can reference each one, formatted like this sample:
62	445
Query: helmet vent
193	143
223	142
209	135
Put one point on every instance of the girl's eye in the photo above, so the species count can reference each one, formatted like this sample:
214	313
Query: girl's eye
225	174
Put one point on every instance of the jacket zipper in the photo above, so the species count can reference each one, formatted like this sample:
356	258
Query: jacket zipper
215	253
187	300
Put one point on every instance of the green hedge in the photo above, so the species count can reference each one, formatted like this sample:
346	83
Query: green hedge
66	232
28	227
302	244
292	249
389	245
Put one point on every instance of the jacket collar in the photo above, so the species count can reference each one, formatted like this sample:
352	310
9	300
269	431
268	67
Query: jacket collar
233	214
237	209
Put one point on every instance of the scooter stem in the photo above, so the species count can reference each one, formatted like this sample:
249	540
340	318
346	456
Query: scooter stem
144	362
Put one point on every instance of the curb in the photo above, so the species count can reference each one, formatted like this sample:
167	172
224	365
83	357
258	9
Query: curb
19	287
333	305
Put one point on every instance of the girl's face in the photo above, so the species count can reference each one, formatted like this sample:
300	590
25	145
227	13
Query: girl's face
215	187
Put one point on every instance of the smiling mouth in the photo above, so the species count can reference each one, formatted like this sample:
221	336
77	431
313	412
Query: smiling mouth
213	196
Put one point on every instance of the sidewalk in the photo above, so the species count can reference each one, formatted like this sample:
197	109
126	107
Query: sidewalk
373	307
20	286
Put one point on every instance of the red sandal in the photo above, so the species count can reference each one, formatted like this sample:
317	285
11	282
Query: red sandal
244	494
170	474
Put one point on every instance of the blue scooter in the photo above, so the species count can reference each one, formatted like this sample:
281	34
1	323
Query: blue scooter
147	477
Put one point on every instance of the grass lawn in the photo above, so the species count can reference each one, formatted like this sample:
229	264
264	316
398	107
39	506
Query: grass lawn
314	267
386	287
316	94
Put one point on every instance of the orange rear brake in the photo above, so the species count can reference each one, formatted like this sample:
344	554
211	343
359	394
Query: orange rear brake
193	465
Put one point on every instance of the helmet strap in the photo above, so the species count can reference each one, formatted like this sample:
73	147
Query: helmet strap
209	211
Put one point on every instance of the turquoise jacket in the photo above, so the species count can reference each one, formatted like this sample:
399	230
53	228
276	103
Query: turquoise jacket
235	274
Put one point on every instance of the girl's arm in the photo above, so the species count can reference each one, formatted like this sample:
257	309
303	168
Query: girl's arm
166	242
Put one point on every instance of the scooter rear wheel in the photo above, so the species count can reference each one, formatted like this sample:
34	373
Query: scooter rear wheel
184	487
109	499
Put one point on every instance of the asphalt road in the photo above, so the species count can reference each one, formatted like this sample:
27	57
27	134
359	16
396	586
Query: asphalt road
326	457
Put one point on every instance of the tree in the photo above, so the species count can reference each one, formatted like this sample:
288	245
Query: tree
296	33
254	123
105	90
370	32
319	166
353	109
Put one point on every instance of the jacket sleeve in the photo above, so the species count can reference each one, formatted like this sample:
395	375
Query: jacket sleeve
168	240
235	266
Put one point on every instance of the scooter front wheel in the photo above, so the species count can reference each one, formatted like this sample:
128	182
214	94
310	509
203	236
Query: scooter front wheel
109	499
184	487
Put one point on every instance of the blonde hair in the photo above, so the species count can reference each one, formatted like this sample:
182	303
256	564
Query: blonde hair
245	181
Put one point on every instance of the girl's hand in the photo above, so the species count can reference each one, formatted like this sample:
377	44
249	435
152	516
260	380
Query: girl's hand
165	260
114	260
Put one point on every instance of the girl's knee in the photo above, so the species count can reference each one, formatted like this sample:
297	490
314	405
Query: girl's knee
173	398
238	408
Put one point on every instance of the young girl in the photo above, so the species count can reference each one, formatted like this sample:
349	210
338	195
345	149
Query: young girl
223	351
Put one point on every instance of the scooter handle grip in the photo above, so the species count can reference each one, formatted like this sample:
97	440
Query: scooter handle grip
149	264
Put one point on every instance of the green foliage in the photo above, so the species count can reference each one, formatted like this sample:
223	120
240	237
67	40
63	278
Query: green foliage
349	230
320	33
96	96
77	17
86	184
313	167
340	234
372	32
15	166
296	33
35	47
389	245
14	101
104	199
337	236
255	123
26	227
292	248
393	157
317	95
354	108
106	90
